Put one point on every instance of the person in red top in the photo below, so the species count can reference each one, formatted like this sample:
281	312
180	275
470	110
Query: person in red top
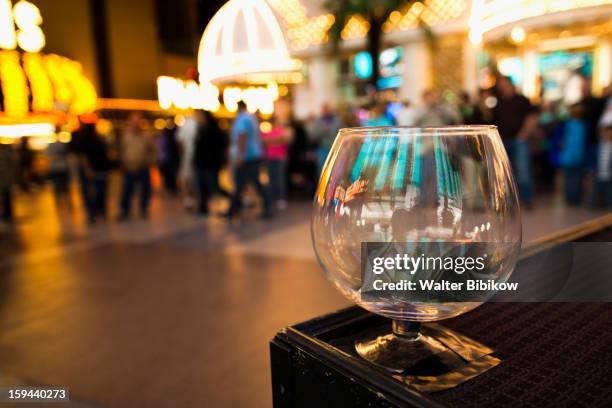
276	151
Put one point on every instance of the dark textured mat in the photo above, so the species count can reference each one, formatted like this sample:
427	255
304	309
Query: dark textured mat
554	355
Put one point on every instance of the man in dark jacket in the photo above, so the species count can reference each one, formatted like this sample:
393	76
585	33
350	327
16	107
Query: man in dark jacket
7	177
209	158
516	119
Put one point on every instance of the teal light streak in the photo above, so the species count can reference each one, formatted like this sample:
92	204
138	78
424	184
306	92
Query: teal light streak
446	164
457	183
416	156
439	166
378	151
363	153
369	155
400	164
387	157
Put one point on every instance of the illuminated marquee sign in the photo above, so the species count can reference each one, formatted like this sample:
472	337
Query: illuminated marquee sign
32	83
242	44
185	94
188	94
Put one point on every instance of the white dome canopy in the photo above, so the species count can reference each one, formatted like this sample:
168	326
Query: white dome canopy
242	38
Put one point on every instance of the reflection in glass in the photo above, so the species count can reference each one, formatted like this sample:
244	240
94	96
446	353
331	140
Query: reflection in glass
395	185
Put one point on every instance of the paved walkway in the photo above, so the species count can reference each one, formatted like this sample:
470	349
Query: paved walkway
174	311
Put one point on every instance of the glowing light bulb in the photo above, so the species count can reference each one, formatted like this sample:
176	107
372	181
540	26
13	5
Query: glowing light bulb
475	37
27	17
265	127
517	35
8	39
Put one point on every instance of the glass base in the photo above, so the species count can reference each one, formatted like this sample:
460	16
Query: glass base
405	347
428	357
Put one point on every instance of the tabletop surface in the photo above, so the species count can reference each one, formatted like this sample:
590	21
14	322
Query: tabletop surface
553	354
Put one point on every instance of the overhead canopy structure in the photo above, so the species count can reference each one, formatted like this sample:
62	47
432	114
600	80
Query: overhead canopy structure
38	90
243	38
488	15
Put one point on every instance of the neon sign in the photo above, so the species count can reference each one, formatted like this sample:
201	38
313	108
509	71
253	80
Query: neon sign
242	44
188	94
36	87
20	26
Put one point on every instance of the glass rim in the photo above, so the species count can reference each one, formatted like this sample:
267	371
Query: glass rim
425	129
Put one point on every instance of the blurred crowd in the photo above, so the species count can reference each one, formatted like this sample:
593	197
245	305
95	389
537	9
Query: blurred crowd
551	146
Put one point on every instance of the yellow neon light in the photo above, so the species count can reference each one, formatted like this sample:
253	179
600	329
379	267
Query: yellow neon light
40	84
83	92
127	104
51	79
356	27
8	38
27	129
14	85
70	85
64	137
62	92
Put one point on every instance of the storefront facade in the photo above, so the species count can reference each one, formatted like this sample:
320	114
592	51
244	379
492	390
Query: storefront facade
540	44
547	50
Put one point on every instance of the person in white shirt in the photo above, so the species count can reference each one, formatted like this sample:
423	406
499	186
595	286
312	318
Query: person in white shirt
186	137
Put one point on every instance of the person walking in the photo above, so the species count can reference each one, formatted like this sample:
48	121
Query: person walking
593	108
435	112
92	153
168	156
301	167
547	123
516	119
26	164
59	172
276	146
471	113
186	137
602	180
378	115
210	156
324	133
137	154
573	154
246	154
8	167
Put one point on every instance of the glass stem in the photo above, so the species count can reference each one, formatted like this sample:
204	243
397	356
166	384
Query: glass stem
409	331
